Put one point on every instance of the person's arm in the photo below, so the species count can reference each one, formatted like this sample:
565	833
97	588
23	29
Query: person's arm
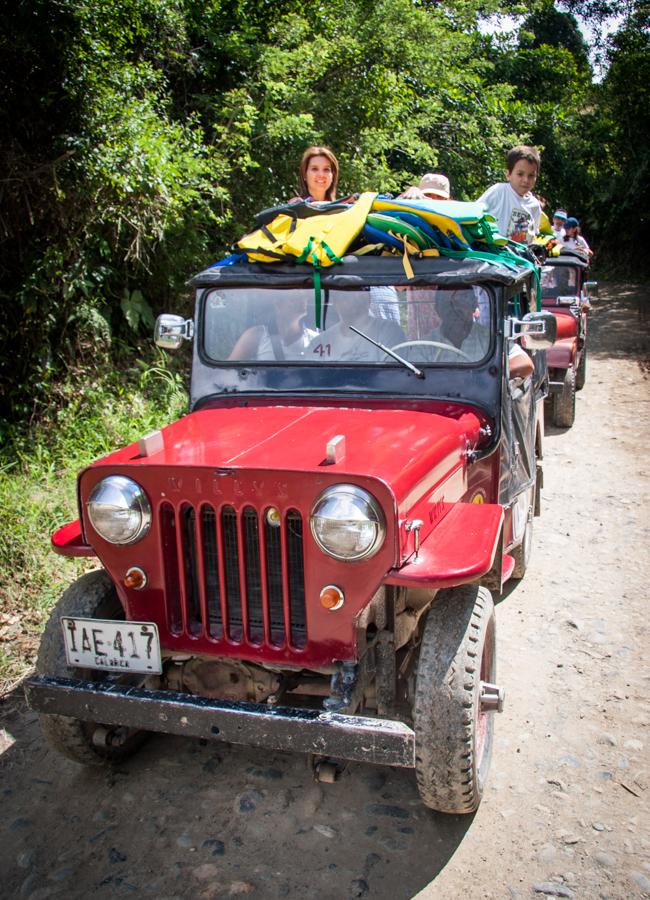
521	365
495	203
582	243
248	343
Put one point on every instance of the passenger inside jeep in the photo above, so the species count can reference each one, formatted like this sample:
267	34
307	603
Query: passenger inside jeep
461	331
460	327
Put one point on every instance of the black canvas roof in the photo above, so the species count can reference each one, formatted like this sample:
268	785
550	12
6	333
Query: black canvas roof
567	259
363	270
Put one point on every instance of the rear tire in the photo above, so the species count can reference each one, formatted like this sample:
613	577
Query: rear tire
453	738
93	596
564	402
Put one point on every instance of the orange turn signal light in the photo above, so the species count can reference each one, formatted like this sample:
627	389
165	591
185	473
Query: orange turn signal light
135	578
331	597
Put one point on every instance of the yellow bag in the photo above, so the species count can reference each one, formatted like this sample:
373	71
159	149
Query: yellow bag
320	240
265	243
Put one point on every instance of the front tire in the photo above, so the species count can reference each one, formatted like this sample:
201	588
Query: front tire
93	596
564	403
453	737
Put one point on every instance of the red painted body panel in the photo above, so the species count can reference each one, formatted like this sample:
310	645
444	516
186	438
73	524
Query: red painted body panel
562	354
68	541
571	333
508	567
460	550
400	447
567	323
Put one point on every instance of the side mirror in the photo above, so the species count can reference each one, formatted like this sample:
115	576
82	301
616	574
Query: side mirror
591	289
171	331
537	330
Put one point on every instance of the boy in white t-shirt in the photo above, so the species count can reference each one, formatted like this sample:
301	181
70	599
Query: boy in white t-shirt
512	202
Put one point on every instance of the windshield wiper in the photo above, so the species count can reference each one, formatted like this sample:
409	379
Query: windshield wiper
418	372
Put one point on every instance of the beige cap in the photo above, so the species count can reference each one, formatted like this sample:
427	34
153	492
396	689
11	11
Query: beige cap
434	183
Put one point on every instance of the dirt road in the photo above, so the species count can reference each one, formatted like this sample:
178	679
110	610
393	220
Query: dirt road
566	812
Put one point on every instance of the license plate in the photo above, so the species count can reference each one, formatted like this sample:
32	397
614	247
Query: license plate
113	646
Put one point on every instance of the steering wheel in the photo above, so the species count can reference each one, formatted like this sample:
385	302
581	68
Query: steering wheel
439	344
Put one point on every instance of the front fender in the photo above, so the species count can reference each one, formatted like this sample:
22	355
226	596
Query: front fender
459	550
69	541
562	354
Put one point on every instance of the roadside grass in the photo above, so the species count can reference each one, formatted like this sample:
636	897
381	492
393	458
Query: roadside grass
90	414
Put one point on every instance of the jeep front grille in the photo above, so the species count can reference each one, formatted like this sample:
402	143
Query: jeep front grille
234	576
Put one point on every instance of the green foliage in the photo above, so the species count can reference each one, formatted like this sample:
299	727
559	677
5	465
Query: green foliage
136	310
394	90
126	180
91	413
546	27
620	138
140	136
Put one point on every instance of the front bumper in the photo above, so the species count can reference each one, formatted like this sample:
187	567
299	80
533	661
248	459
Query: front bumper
358	738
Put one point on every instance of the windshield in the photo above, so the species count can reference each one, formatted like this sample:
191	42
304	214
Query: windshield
559	281
425	325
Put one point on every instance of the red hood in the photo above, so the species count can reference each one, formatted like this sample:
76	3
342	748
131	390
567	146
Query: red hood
399	447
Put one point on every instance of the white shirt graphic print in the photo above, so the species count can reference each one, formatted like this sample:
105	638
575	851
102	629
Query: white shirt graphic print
517	217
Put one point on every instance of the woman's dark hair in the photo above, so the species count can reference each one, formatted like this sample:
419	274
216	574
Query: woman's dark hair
303	190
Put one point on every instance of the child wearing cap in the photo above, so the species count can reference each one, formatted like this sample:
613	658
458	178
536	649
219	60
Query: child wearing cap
512	202
559	221
432	186
574	241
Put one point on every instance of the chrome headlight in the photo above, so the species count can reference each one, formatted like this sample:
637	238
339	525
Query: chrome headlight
119	510
347	522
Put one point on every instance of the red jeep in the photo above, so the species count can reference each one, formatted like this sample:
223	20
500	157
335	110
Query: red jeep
304	562
567	294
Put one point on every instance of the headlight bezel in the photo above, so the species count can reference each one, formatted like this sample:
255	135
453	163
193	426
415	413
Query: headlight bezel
376	517
137	501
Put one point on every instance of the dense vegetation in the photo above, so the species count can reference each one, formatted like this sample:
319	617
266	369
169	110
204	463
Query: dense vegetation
138	137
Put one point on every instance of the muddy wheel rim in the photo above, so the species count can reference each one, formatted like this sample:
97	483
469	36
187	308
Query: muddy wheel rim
483	722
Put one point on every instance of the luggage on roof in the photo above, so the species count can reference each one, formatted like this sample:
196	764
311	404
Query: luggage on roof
320	234
320	239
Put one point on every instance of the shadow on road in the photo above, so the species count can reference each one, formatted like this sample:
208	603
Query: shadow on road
189	819
619	324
